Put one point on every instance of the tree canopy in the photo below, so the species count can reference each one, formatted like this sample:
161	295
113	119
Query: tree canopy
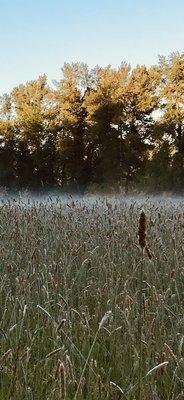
104	126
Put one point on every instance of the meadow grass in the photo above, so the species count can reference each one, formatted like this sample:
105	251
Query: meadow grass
70	301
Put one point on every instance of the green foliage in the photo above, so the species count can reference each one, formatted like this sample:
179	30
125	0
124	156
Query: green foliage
99	126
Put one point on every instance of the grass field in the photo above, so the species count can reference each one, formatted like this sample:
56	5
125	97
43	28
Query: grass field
69	296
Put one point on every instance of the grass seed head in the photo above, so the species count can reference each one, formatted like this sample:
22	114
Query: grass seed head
142	230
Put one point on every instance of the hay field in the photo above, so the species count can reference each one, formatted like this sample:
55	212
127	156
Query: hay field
69	296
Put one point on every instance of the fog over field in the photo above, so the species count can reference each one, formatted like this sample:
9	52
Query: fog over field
50	197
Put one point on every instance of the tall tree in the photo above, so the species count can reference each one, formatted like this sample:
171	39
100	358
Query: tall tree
137	122
36	145
172	105
7	143
70	117
104	105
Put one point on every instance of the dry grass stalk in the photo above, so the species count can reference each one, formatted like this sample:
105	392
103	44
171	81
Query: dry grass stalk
5	357
142	234
52	353
169	353
142	230
60	375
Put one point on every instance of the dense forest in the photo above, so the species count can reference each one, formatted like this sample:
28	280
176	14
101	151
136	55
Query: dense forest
96	128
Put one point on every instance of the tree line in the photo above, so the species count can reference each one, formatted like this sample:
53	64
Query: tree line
98	127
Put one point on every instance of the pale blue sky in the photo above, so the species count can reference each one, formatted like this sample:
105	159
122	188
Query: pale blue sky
38	36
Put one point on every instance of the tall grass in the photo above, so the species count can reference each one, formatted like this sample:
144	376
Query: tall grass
63	267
